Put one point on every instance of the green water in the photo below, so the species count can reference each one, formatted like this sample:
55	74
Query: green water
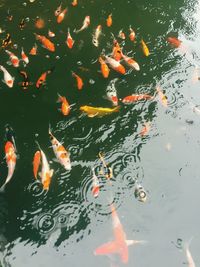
63	227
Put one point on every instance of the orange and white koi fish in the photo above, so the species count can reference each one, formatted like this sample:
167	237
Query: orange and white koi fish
116	52
61	16
133	98
163	98
86	23
120	243
46	173
60	152
121	35
109	20
33	50
174	41
45	42
145	129
24	56
74	2
36	163
69	41
95	38
51	34
115	65
95	184
111	92
131	62
79	81
8	79
58	10
190	260
65	107
104	68
132	34
13	59
145	49
11	162
42	79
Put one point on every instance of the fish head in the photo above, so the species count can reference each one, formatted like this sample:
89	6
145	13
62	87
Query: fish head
84	108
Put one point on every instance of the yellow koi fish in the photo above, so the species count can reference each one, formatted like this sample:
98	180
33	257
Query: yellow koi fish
98	111
145	49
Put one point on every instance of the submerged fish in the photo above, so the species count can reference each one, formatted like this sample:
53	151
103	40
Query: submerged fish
98	111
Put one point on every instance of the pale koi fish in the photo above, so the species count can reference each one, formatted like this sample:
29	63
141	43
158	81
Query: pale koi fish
13	59
86	23
8	79
95	184
97	33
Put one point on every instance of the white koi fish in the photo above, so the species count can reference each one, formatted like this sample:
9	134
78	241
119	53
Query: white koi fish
8	79
95	38
131	62
86	23
24	56
13	59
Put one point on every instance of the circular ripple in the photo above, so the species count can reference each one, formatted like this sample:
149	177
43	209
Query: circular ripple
75	150
36	189
46	223
128	179
128	159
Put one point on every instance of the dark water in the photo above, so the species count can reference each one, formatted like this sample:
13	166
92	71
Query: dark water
62	227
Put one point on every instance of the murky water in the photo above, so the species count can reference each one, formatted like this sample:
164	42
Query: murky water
65	225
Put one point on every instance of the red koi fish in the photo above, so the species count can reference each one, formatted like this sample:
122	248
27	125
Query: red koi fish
69	41
45	42
36	163
116	52
13	59
33	50
133	98
132	34
79	81
65	107
174	41
61	16
109	20
104	68
42	79
120	243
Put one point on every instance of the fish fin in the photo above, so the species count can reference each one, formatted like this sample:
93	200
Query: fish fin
107	248
92	115
51	172
133	242
2	188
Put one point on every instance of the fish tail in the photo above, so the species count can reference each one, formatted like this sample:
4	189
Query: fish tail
59	98
38	145
2	188
116	109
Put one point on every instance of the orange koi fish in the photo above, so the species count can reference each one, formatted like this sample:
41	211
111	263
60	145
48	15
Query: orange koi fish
33	50
24	56
45	42
39	23
58	10
69	41
104	68
131	62
132	34
45	174
145	49
95	38
36	163
61	16
121	35
109	20
74	2
162	97
13	59
86	23
174	41
95	184
120	243
78	80
65	107
115	65
60	152
11	162
51	34
42	79
145	129
116	52
133	98
8	79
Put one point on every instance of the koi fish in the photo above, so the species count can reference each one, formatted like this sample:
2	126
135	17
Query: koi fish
33	50
69	41
109	20
45	42
51	34
60	152
95	38
22	24
145	49
24	56
190	260
8	79
10	135
107	170
74	2
140	193
95	184
11	162
98	111
132	34
145	129
36	163
120	243
39	23
42	79
121	35
116	52
58	10
61	16
174	41
133	98
115	65
104	68
13	59
131	62
26	82
78	80
111	92
86	23
162	97
46	173
7	41
65	107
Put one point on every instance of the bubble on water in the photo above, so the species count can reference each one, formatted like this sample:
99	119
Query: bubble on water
91	81
57	57
79	63
46	223
36	189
